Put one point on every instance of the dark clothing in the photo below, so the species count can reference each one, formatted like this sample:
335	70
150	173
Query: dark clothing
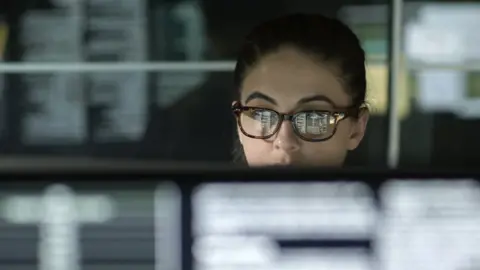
200	127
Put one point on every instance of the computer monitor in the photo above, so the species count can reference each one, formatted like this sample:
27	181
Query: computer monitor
262	219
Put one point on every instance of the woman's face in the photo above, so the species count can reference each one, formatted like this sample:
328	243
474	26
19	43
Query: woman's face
289	81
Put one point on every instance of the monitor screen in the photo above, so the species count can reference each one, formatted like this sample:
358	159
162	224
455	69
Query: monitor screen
91	225
265	220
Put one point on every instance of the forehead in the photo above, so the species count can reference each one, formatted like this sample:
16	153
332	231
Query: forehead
290	75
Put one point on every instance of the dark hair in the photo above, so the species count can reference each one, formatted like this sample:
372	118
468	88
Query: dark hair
325	39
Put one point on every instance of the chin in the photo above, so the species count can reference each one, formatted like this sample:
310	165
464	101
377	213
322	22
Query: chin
310	164
296	163
277	164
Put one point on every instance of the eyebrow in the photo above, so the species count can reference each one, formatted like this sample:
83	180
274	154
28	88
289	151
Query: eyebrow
316	98
258	95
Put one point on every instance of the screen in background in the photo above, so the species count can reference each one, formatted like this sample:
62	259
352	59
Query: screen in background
61	228
416	225
429	225
422	224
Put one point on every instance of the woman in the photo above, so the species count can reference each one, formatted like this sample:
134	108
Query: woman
301	85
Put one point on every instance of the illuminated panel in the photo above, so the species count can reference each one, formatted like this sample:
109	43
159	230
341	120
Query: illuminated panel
116	32
3	38
168	226
54	103
282	226
430	225
61	228
58	213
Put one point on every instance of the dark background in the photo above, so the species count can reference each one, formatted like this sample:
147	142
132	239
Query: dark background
204	30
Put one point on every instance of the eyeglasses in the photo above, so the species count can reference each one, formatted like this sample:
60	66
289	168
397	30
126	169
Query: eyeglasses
312	125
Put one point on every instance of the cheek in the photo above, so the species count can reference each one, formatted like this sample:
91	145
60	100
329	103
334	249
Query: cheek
328	153
343	133
256	151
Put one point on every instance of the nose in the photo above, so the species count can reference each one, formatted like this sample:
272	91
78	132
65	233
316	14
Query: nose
286	140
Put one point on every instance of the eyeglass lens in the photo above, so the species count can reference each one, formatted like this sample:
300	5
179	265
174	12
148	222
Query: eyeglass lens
310	125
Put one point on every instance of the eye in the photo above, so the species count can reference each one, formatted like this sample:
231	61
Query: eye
266	117
259	122
313	122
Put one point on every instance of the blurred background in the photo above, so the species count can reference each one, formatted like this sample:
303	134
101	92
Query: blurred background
152	79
